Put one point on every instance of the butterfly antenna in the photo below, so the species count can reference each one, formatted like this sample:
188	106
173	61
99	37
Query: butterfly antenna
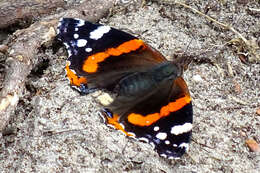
184	59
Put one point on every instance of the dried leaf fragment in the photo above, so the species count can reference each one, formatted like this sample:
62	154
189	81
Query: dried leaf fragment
253	145
258	111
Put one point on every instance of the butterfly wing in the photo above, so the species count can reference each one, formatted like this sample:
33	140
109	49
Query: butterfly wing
100	55
164	119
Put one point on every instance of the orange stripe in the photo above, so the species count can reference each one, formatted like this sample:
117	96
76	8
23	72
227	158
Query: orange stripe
74	79
91	63
114	122
140	120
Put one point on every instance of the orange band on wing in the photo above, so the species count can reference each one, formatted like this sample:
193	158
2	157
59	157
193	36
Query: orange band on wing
91	63
114	122
74	79
140	120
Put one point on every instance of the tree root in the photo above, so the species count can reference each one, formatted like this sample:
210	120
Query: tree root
25	44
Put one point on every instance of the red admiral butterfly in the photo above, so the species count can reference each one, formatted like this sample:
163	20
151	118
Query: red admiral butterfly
145	95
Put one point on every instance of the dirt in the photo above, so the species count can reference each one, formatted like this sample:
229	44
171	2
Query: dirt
54	129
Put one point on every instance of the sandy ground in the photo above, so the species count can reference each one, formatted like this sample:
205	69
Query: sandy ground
54	129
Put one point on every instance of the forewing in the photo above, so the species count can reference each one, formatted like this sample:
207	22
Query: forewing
100	55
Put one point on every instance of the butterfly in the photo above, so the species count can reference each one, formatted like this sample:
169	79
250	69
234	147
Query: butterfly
144	94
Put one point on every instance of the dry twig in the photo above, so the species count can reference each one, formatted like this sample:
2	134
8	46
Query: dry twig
13	11
251	46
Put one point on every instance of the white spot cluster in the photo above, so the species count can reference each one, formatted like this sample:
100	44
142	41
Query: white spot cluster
170	157
99	32
81	42
179	129
77	40
182	145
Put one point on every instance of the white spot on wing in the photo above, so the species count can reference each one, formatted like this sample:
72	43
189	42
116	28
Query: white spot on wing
76	29
161	136
99	32
68	48
81	42
88	49
76	88
179	129
130	133
69	52
105	99
184	145
60	22
76	36
167	142
163	155
68	63
73	71
80	22
156	128
144	139
171	158
66	45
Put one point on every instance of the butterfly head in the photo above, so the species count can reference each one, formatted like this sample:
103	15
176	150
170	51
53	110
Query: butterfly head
167	71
